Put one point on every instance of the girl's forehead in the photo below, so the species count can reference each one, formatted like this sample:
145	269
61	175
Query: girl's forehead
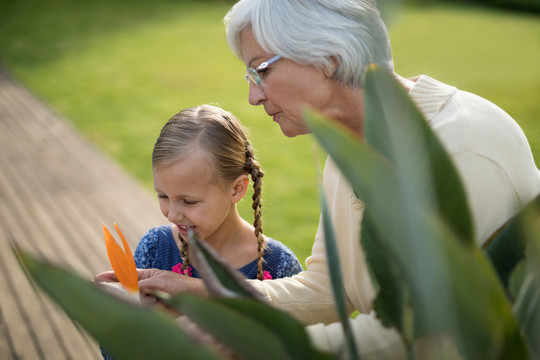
198	156
192	172
194	158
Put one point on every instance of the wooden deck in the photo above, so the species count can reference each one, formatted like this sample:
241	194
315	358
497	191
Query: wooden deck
55	192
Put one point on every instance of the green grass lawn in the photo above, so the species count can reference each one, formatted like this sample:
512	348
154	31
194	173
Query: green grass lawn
119	69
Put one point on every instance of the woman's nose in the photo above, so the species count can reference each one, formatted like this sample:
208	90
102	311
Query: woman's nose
256	94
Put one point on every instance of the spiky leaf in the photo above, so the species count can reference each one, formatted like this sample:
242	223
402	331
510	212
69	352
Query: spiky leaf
452	286
126	330
246	336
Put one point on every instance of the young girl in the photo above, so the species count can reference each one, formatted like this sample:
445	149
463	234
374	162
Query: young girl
202	161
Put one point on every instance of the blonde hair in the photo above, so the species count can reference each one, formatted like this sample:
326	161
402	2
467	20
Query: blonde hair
219	134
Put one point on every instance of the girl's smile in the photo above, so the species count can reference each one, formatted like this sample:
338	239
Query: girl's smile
184	230
193	199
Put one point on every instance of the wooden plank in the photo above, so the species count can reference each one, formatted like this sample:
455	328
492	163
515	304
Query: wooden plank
22	337
33	330
55	191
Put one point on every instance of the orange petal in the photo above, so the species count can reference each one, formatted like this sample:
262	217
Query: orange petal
125	244
131	267
121	260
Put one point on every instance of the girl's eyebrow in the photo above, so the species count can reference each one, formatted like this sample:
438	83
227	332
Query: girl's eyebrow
178	196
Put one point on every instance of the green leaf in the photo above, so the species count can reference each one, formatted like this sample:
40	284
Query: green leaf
429	185
527	304
126	330
451	286
373	177
220	277
517	279
507	246
336	278
291	332
391	303
398	130
364	167
484	326
400	133
434	203
245	335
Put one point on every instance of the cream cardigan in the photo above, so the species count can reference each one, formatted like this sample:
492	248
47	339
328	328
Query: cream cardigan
495	162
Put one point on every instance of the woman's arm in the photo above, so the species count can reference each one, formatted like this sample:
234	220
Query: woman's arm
373	341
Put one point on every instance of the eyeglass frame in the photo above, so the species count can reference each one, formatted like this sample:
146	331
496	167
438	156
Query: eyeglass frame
252	74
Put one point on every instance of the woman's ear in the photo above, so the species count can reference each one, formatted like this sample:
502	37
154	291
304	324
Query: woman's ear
240	187
330	71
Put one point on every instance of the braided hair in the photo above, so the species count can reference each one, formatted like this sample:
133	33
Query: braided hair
222	136
254	169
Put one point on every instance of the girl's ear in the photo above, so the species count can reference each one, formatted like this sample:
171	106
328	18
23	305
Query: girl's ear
240	187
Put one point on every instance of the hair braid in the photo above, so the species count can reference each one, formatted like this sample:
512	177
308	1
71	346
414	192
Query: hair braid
216	133
254	169
184	253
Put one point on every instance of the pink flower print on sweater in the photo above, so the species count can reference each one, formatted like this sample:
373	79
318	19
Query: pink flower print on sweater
178	269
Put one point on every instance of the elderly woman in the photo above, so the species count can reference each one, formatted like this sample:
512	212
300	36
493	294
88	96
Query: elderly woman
312	53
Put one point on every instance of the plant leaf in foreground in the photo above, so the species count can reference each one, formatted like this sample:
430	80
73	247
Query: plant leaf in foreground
291	332
220	277
452	286
527	303
334	269
126	330
248	338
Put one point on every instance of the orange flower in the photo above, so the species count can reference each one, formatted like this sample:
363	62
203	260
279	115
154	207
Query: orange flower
122	261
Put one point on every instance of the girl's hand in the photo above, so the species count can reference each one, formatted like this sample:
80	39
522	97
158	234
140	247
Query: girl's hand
153	280
107	276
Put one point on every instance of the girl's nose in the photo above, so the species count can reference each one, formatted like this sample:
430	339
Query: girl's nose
256	94
174	214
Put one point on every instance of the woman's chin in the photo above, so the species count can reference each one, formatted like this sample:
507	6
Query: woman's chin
294	131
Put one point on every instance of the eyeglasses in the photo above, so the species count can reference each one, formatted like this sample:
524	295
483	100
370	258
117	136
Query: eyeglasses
253	74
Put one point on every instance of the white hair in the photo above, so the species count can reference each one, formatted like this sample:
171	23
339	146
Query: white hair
315	32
